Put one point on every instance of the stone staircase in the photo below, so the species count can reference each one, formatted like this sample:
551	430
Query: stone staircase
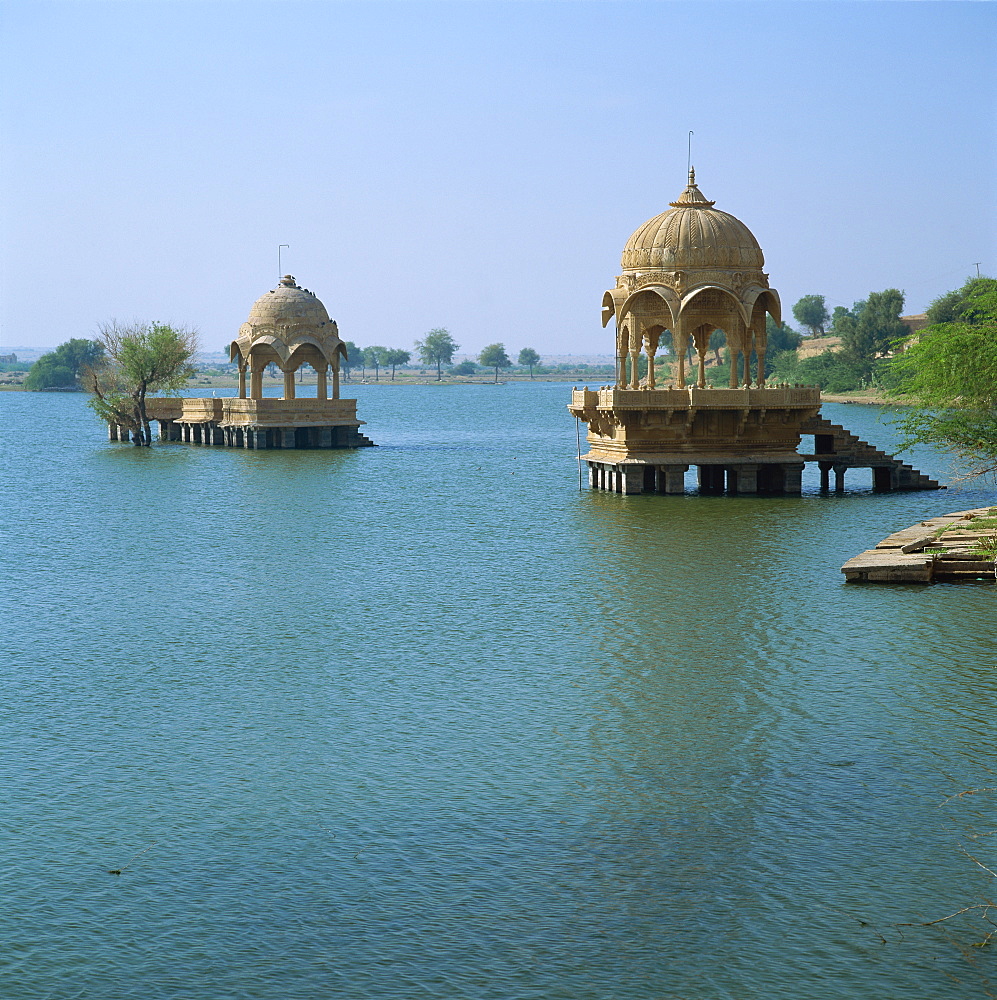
837	449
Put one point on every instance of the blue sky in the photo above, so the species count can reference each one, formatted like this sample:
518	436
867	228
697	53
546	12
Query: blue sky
477	166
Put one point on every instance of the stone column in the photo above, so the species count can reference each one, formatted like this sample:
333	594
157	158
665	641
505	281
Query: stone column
746	478
593	476
793	473
289	385
825	474
321	387
286	437
112	432
839	477
325	437
670	478
242	381
256	383
335	382
632	479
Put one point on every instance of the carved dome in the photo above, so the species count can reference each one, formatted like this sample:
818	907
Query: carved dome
692	234
288	307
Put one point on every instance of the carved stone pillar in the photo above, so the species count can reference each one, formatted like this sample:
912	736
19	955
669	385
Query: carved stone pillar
256	382
321	388
289	384
242	381
335	382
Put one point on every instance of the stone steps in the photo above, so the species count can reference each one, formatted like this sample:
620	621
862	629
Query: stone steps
850	451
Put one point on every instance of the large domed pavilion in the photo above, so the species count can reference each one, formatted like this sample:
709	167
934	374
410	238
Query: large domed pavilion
691	270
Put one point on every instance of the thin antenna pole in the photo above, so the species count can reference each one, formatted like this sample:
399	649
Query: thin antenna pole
688	162
978	263
280	270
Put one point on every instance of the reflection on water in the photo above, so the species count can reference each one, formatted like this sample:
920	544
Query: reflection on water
426	721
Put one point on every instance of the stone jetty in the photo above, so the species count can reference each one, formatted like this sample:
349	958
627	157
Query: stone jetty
952	548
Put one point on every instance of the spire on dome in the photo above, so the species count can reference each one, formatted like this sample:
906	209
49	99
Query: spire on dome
692	197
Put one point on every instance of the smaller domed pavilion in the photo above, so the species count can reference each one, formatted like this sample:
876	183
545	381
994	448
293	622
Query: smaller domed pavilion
288	327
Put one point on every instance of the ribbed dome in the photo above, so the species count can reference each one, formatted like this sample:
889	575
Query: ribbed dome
288	306
692	233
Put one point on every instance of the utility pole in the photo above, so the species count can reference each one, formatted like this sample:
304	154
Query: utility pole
978	267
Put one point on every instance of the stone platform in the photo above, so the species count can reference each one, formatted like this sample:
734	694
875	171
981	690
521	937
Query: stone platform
952	548
255	423
742	440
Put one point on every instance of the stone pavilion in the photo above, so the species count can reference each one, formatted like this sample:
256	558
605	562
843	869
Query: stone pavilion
689	271
287	327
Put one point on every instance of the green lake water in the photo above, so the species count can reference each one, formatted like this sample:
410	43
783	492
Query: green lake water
424	720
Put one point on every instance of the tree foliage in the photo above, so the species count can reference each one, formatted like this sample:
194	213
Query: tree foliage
393	357
63	367
138	360
948	371
437	348
494	356
876	327
353	359
811	312
374	356
464	368
529	358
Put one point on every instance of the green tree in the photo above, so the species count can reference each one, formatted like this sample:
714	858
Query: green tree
138	360
437	348
811	312
374	356
779	338
64	366
948	371
394	357
877	327
530	358
353	359
494	356
464	368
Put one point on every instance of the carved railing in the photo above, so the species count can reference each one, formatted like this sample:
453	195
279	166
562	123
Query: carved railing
776	397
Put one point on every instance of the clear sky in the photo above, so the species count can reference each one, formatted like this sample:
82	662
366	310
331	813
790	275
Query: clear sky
477	166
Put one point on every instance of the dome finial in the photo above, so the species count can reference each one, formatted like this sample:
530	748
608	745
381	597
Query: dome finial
692	197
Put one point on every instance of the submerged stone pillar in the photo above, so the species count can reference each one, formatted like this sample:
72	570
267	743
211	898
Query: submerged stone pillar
745	478
286	437
793	477
670	478
632	479
825	475
839	477
325	437
112	432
